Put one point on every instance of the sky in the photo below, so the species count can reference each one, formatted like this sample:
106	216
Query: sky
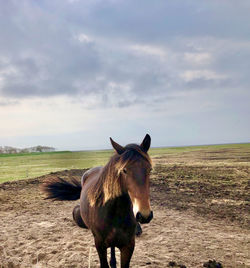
74	73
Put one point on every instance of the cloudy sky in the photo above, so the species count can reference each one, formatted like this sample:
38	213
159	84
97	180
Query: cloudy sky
73	73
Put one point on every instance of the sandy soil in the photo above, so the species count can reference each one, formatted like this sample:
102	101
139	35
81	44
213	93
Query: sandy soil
40	233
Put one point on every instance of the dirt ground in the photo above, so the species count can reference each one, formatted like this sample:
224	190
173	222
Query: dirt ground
201	213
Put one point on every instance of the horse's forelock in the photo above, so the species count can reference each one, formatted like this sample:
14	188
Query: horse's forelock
133	153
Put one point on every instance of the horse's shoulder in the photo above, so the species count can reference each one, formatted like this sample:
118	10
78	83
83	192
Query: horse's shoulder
90	173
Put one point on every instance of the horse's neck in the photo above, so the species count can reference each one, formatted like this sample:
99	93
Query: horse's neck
121	205
113	181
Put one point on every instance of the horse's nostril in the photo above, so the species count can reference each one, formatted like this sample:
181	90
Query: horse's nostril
138	216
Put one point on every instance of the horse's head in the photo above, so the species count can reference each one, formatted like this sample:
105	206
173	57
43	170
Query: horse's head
135	167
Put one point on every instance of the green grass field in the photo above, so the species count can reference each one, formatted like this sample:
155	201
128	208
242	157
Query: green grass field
30	165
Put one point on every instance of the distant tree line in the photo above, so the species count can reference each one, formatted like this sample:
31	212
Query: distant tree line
35	149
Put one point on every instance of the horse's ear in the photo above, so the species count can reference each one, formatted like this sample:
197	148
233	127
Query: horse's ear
119	149
145	143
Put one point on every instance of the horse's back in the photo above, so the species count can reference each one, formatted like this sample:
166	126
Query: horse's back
93	172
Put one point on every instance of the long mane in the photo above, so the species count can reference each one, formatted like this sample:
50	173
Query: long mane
110	184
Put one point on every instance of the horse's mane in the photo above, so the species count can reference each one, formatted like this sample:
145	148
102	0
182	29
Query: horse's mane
109	184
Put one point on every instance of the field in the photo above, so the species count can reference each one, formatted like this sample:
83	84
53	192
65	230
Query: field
200	197
31	165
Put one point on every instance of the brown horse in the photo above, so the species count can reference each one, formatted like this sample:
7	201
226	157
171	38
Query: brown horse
110	196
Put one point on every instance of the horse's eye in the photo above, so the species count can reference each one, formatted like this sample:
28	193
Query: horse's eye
125	170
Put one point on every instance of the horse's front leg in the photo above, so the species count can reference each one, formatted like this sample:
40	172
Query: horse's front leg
138	230
126	254
112	259
102	252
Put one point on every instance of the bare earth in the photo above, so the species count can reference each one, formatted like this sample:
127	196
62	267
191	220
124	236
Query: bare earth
191	225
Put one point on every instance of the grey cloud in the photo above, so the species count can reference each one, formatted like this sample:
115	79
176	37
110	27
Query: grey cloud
8	102
212	84
41	56
159	21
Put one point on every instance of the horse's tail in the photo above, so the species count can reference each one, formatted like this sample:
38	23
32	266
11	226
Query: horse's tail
60	189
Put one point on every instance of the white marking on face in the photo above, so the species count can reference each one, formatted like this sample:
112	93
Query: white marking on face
135	206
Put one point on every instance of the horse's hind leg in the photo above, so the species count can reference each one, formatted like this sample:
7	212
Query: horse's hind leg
77	217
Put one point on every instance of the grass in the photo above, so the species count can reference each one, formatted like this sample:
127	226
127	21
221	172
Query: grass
30	165
21	166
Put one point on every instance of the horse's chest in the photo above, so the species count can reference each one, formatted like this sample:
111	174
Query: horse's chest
119	237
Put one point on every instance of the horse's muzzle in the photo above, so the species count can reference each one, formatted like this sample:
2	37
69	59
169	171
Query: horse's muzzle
142	219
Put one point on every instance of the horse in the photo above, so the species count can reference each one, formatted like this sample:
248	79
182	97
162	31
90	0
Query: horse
113	199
